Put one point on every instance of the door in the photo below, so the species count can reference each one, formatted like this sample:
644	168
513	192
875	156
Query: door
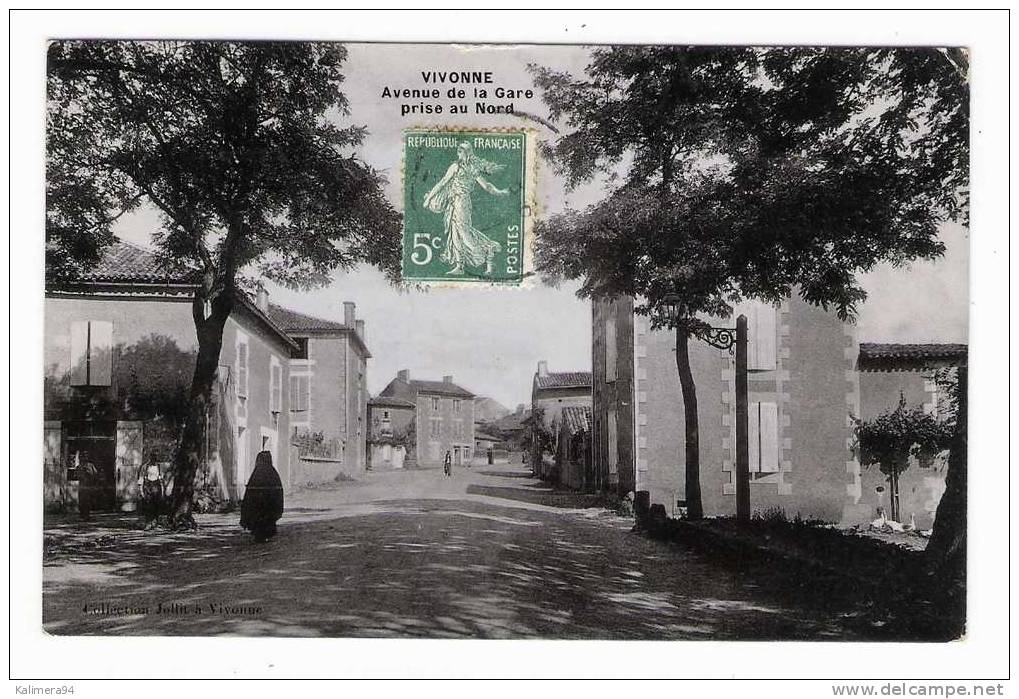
456	456
95	442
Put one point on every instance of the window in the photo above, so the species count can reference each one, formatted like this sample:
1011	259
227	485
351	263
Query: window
302	348
385	414
435	404
435	426
456	405
761	334
458	429
242	378
610	349
763	437
91	353
300	393
275	386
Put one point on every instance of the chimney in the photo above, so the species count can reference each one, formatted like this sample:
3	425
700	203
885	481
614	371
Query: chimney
542	368
360	331
403	375
262	299
348	313
447	379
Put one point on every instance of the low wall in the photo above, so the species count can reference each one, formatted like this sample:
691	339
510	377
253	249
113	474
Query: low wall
312	470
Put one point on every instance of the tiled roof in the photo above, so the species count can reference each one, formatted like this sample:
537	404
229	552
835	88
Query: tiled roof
126	262
440	387
880	354
565	379
485	437
408	390
295	322
577	418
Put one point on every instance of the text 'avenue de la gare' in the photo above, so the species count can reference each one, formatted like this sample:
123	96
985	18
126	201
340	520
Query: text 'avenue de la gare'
456	85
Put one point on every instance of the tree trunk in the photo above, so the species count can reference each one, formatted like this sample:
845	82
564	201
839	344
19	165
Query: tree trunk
694	507
948	540
187	457
893	484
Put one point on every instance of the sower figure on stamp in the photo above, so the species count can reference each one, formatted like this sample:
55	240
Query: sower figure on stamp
262	505
451	196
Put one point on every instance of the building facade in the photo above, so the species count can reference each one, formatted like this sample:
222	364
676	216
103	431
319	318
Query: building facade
391	433
911	372
119	352
443	417
551	393
803	391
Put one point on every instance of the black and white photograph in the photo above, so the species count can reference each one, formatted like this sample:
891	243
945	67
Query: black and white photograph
572	340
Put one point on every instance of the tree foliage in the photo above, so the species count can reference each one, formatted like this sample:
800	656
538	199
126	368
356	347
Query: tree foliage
754	172
239	146
242	149
890	439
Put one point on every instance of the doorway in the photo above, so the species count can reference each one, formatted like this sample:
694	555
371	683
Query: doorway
96	442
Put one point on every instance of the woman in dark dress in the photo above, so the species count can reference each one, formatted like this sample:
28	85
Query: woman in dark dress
262	505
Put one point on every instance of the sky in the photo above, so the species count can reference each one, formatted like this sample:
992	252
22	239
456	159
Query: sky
491	339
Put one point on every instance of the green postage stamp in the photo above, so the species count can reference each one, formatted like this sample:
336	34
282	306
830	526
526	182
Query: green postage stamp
465	198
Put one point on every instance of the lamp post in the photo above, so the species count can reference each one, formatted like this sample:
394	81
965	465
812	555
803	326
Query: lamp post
735	341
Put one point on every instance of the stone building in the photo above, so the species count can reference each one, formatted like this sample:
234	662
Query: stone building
443	417
803	388
119	351
551	392
888	372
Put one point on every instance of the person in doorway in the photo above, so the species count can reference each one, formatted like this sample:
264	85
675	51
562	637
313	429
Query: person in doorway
262	505
87	474
151	486
447	465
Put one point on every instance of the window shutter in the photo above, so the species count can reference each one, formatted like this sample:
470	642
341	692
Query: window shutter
610	349
100	353
295	394
769	437
242	369
754	425
276	389
761	350
79	353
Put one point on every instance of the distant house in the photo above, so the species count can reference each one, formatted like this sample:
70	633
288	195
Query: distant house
550	393
888	372
119	351
444	417
391	433
328	379
573	447
513	429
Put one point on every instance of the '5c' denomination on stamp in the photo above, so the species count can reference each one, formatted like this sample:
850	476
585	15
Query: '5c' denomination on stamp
465	199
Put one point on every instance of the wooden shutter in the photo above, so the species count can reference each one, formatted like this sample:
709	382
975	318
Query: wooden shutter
763	437
100	353
761	350
769	437
242	369
79	353
276	388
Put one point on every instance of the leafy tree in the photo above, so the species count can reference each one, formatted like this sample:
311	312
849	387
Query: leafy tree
751	173
241	149
890	439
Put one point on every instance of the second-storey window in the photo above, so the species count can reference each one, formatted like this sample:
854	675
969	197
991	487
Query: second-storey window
300	388
435	403
610	349
456	405
242	377
435	425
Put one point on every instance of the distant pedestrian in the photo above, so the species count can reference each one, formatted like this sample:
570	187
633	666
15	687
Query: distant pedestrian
151	486
262	505
447	465
87	475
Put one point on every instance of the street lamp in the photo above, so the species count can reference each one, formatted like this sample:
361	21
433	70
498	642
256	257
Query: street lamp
735	341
